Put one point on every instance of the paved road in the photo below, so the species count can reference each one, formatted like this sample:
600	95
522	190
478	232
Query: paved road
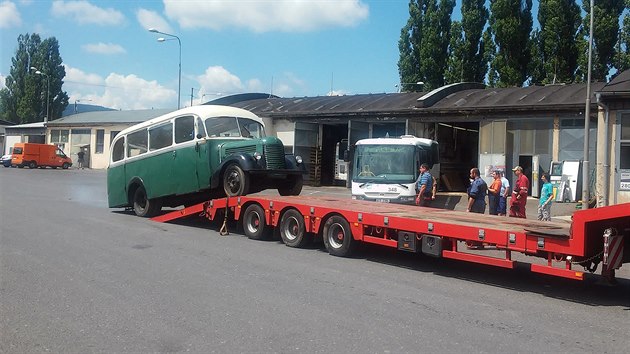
77	277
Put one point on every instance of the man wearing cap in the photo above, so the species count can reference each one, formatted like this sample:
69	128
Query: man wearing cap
519	194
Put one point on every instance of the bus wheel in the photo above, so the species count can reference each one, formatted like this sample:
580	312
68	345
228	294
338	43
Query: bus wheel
235	181
32	164
293	186
254	224
143	206
293	230
65	166
338	237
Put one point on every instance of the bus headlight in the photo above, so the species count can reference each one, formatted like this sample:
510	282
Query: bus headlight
298	159
257	155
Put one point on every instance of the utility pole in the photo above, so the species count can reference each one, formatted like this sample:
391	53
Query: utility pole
587	119
192	90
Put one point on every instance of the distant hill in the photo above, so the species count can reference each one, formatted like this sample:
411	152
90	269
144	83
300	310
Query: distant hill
82	108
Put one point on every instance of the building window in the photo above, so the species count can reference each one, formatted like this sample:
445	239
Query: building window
624	152
100	141
59	137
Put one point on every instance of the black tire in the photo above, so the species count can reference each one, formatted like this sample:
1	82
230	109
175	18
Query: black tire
20	166
235	181
144	206
54	167
65	166
338	237
32	164
293	186
254	224
293	229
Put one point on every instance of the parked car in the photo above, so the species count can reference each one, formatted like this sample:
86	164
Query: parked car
6	160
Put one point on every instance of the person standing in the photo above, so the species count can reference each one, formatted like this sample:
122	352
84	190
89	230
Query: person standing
519	194
424	186
477	193
503	194
80	156
493	193
546	195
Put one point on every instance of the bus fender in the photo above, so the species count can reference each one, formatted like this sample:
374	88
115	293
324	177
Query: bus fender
245	161
134	183
291	163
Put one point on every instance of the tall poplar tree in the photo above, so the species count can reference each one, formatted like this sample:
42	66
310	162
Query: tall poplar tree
26	98
605	35
623	45
474	19
455	64
556	41
425	37
511	23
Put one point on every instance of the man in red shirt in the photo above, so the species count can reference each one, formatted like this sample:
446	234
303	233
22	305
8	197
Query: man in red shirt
519	194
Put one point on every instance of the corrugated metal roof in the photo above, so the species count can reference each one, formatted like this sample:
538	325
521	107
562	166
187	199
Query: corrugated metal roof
109	117
550	97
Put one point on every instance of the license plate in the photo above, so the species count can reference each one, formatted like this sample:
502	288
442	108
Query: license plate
382	200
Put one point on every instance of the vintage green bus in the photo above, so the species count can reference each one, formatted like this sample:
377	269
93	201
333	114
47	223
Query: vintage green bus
194	154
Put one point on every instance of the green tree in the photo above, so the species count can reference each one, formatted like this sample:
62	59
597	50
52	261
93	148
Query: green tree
556	43
623	45
455	65
489	52
511	23
474	19
605	35
424	43
25	98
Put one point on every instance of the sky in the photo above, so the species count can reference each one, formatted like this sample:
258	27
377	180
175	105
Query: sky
290	48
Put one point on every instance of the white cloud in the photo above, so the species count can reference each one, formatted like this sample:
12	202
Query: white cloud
117	91
217	80
104	48
9	15
151	19
85	13
267	15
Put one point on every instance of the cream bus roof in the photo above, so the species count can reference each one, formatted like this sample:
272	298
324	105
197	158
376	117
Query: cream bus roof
203	111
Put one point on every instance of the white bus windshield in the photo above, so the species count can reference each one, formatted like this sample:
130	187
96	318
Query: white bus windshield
384	162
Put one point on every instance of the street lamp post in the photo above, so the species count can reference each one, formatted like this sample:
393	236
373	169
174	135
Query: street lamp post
399	86
47	90
587	119
179	89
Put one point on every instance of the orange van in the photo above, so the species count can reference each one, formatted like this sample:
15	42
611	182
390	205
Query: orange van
39	155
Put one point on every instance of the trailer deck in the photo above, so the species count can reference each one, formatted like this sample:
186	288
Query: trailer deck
342	222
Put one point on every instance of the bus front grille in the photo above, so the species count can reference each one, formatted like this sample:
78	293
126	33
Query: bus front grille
274	157
240	150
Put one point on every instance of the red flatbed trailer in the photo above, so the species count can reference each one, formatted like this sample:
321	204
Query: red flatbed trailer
593	236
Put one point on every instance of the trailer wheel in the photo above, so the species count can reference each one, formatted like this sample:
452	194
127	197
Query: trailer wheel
338	237
235	181
144	206
65	166
32	164
254	224
293	230
293	186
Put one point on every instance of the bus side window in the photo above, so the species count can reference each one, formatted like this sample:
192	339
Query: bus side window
184	129
118	150
137	143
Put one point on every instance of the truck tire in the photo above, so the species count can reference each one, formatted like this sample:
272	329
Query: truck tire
292	186
65	166
254	224
338	237
235	181
144	206
32	164
293	229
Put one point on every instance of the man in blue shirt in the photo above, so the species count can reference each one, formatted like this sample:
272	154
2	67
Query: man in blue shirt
477	193
424	186
546	195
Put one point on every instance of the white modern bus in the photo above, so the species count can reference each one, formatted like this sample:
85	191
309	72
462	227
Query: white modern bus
386	169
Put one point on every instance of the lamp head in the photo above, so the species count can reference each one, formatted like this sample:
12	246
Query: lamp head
153	30
161	39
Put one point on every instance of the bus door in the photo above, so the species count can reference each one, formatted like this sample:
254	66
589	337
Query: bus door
185	155
203	159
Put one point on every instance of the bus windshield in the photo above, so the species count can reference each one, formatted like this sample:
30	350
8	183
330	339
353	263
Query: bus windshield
234	127
384	162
